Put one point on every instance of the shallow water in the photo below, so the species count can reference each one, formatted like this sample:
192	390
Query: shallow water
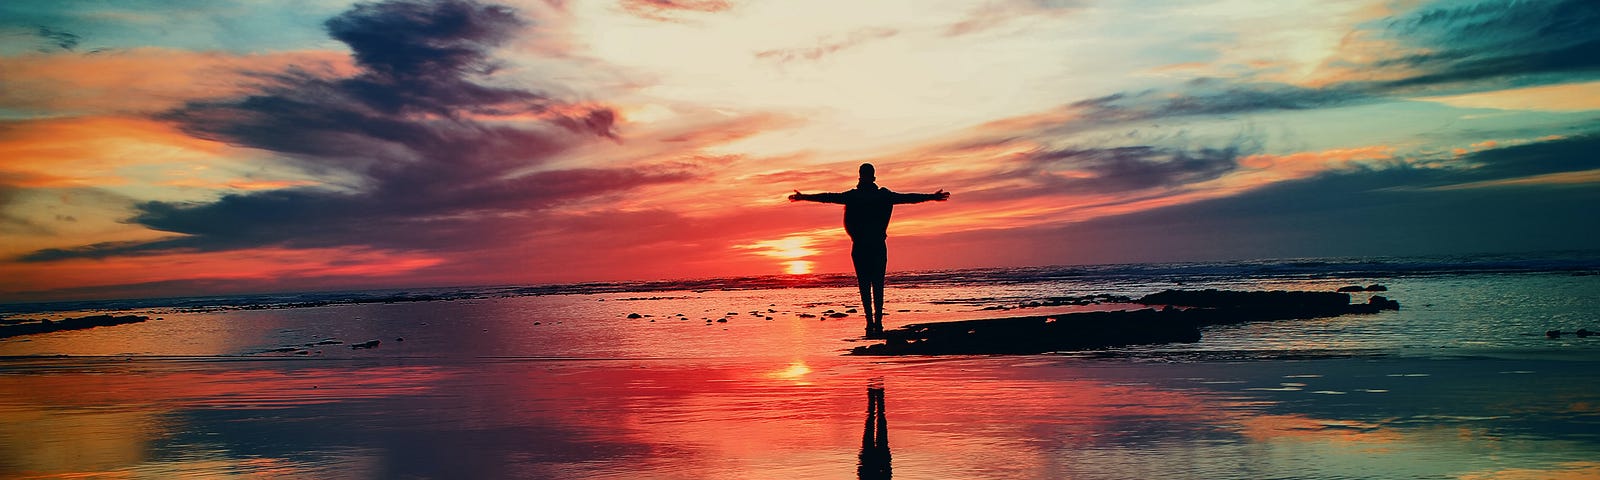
993	417
1460	383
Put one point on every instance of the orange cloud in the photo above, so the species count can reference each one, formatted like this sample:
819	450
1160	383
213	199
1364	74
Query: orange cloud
245	185
1305	164
92	151
1355	60
1561	178
1567	97
145	79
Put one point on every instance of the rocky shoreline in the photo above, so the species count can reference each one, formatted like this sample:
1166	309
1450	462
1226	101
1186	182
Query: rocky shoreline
1179	319
79	323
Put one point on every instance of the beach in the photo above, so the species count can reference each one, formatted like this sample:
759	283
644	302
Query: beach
1460	383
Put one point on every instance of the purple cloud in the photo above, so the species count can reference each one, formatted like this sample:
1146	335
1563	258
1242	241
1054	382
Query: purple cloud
416	126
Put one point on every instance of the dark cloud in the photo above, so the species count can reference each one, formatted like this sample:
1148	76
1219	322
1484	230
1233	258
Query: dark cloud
410	126
1216	97
1567	154
13	223
312	218
59	38
1371	213
413	39
1125	169
1458	42
1346	213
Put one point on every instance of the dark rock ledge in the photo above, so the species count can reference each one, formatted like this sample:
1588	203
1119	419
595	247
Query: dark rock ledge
48	326
1180	318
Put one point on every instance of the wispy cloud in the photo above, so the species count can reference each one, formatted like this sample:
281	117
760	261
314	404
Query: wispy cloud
671	10
827	45
1446	50
997	13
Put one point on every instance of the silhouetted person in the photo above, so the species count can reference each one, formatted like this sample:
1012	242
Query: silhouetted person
875	440
866	218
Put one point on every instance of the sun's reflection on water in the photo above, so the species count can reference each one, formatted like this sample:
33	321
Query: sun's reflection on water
795	372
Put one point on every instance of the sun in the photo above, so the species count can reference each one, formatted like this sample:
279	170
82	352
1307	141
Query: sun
790	250
797	267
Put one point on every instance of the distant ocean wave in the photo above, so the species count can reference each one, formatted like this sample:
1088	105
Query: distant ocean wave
1579	263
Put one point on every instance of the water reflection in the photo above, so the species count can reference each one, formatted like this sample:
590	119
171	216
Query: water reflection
874	464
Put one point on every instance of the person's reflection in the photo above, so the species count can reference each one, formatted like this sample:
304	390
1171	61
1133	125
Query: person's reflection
875	438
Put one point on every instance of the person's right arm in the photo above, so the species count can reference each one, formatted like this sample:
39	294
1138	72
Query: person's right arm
817	197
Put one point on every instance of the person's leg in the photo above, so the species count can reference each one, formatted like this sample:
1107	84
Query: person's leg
877	301
879	264
861	258
866	297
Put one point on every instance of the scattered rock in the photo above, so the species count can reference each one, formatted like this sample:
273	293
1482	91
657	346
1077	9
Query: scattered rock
1552	334
364	345
807	315
635	316
850	311
399	339
1583	333
1381	303
1369	288
838	315
722	320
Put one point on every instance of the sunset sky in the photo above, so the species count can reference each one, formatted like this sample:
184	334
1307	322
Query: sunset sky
182	147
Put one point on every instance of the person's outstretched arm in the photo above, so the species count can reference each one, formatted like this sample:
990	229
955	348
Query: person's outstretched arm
817	197
938	196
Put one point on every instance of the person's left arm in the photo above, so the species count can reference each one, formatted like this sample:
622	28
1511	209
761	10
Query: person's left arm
939	196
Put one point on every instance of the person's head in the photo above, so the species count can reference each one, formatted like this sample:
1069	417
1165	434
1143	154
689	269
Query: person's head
868	174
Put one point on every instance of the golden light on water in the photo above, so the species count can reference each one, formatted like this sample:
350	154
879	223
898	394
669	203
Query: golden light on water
797	267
